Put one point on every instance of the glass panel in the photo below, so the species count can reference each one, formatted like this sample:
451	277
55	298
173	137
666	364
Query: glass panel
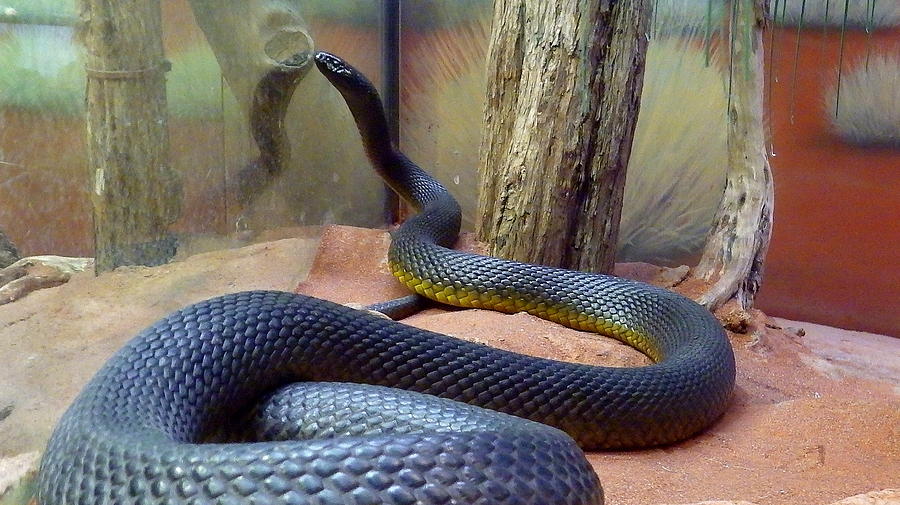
215	52
676	173
43	140
42	149
834	114
443	53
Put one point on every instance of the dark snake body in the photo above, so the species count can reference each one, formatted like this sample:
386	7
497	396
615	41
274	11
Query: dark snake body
140	431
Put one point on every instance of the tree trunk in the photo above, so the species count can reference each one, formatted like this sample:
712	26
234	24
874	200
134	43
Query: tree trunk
733	257
136	195
564	82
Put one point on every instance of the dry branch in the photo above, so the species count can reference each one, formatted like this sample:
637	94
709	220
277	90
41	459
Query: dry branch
733	256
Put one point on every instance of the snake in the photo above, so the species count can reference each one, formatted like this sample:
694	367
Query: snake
268	397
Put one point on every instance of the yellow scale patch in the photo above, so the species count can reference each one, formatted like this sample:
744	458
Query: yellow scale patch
462	296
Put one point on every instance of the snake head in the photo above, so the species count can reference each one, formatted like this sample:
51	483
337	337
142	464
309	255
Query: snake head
342	75
363	101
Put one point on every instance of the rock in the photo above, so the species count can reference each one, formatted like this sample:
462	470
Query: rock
38	272
733	317
351	267
8	252
15	471
883	497
841	353
663	277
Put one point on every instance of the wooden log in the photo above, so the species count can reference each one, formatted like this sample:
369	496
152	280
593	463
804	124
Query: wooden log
733	256
135	193
564	80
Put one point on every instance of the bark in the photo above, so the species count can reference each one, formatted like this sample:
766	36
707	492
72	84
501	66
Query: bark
136	195
564	82
732	261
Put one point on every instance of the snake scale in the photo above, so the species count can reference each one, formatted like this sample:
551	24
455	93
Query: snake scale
148	428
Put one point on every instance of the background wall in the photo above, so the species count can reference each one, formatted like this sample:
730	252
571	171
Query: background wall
832	258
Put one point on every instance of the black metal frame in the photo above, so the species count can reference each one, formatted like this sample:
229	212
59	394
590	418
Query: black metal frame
390	74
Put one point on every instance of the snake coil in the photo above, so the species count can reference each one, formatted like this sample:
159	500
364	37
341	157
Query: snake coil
147	429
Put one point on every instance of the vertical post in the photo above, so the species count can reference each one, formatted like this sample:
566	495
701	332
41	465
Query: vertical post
390	66
135	193
564	83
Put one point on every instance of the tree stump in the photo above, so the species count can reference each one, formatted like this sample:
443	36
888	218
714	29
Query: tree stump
564	81
135	193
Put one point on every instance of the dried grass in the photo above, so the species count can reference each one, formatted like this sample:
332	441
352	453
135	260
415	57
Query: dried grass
675	17
868	112
676	173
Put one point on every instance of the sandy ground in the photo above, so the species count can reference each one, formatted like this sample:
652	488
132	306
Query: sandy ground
815	417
